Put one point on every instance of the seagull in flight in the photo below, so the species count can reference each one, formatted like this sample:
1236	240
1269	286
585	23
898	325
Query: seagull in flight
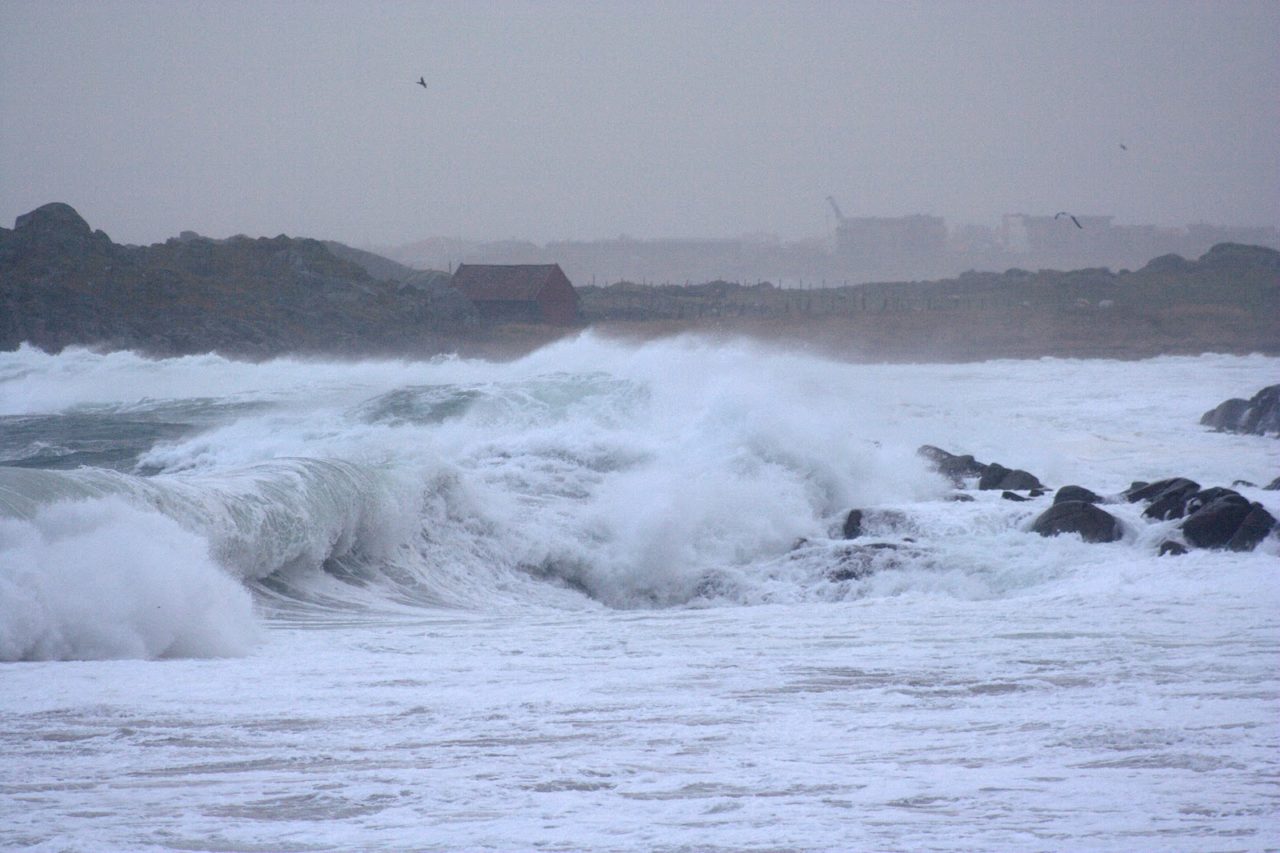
1073	219
422	81
1124	147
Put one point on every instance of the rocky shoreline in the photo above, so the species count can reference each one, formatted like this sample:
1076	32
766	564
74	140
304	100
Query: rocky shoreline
1213	517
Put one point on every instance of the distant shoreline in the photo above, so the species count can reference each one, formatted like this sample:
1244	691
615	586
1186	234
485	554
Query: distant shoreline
63	284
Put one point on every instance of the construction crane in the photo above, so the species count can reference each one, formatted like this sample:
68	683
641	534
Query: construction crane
839	216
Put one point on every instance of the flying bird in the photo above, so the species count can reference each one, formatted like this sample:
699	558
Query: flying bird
1124	147
422	81
1073	219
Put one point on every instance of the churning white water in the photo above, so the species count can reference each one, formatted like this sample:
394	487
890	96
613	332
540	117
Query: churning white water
596	599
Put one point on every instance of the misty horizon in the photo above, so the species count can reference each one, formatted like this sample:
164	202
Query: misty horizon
564	121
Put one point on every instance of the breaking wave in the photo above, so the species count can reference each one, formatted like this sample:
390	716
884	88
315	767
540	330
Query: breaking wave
589	474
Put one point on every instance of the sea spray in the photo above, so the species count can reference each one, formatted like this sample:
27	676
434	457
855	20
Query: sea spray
674	473
101	578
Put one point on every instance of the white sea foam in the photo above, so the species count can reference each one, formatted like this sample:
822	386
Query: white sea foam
671	473
595	599
104	579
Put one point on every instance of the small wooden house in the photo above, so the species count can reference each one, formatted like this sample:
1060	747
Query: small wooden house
527	293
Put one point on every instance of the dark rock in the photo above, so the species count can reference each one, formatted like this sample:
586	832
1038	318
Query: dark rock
950	465
1173	501
1093	524
1273	486
999	477
1215	523
1245	483
1259	415
960	497
875	522
1169	548
1036	493
1255	527
1013	496
1228	415
855	562
852	524
1208	496
1076	493
1150	491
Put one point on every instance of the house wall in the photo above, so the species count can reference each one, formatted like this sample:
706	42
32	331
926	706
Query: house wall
558	301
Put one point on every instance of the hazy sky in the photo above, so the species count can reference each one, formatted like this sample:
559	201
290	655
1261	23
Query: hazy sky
556	120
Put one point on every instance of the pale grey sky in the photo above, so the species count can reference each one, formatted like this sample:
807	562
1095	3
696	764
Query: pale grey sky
557	120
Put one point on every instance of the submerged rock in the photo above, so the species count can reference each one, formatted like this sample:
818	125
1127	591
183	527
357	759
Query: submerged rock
855	562
1169	548
1093	524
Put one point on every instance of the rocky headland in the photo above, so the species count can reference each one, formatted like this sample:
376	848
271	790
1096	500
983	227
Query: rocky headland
64	284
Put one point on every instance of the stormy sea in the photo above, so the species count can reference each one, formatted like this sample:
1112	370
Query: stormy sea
600	598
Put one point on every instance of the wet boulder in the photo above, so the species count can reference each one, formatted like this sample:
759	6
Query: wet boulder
999	477
1169	548
1228	521
1141	491
1259	415
852	524
1273	486
954	467
1173	501
1257	525
1093	524
1076	493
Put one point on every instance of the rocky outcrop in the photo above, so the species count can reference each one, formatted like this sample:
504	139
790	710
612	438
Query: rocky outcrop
956	468
63	284
996	476
1093	524
993	476
1230	521
1076	493
1216	517
1259	415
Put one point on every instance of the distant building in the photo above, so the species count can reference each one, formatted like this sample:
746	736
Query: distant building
898	245
527	293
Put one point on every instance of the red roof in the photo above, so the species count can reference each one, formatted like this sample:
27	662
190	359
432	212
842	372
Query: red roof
503	282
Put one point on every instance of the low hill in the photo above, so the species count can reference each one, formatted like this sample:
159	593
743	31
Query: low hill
62	283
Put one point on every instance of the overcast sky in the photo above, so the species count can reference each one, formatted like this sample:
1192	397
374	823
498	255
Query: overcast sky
558	120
